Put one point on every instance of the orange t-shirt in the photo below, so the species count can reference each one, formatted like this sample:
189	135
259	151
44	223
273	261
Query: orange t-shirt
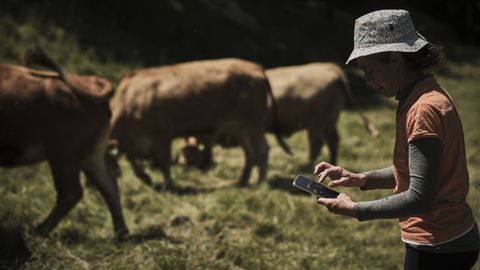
428	112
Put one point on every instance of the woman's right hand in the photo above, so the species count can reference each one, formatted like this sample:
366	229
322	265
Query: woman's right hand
339	176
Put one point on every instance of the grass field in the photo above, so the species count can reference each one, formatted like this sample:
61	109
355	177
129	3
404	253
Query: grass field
215	225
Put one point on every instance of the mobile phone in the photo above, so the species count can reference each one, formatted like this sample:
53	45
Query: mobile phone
314	188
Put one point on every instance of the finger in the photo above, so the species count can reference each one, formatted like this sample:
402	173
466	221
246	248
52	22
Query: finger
322	177
321	201
324	201
340	182
320	167
325	173
343	195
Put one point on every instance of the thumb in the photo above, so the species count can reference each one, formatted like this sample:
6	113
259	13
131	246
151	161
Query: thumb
323	201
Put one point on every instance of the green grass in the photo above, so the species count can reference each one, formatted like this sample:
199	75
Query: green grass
59	44
221	226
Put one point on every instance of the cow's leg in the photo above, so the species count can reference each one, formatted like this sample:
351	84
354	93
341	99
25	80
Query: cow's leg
333	139
96	171
111	162
206	154
163	161
249	152
261	148
69	191
315	142
139	170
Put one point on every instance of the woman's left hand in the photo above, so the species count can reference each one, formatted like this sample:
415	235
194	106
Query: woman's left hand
342	205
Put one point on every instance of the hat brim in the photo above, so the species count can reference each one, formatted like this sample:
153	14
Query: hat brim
392	47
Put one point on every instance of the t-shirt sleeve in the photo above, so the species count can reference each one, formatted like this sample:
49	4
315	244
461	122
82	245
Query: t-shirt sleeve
424	121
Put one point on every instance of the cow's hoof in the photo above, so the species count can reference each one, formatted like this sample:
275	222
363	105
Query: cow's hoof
242	184
122	235
261	183
207	166
165	187
42	230
147	181
158	187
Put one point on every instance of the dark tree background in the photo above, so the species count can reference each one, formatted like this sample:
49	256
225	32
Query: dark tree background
273	33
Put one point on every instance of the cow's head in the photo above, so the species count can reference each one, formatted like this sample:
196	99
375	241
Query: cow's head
191	154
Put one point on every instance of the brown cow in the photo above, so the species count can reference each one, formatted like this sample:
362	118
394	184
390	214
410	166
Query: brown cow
219	100
61	118
310	97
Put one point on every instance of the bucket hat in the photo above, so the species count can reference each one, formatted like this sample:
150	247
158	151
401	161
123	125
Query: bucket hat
387	30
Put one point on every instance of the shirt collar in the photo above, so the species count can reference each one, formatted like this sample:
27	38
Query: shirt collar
405	91
413	91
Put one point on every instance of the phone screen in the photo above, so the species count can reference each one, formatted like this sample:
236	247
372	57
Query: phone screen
314	188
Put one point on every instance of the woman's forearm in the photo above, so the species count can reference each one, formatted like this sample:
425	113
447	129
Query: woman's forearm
379	179
420	196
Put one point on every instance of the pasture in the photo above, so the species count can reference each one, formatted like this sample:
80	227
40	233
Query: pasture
209	222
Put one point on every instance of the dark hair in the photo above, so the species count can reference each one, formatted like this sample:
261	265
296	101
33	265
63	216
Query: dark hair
429	56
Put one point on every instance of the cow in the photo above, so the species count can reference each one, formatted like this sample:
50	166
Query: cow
310	97
64	119
221	101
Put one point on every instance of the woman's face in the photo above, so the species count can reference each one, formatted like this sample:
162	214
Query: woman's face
384	77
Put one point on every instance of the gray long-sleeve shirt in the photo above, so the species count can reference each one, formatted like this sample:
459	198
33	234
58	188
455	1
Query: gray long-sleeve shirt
420	196
418	199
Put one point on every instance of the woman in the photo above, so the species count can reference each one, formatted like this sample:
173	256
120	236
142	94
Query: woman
429	173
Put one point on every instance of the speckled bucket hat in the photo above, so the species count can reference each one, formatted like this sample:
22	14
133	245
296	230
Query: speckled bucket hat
388	30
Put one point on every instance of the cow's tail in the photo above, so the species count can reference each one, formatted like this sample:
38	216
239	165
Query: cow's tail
275	126
366	122
36	56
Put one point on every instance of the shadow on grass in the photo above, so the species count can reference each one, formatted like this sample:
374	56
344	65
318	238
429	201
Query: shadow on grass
72	236
14	252
194	190
285	184
153	232
186	190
